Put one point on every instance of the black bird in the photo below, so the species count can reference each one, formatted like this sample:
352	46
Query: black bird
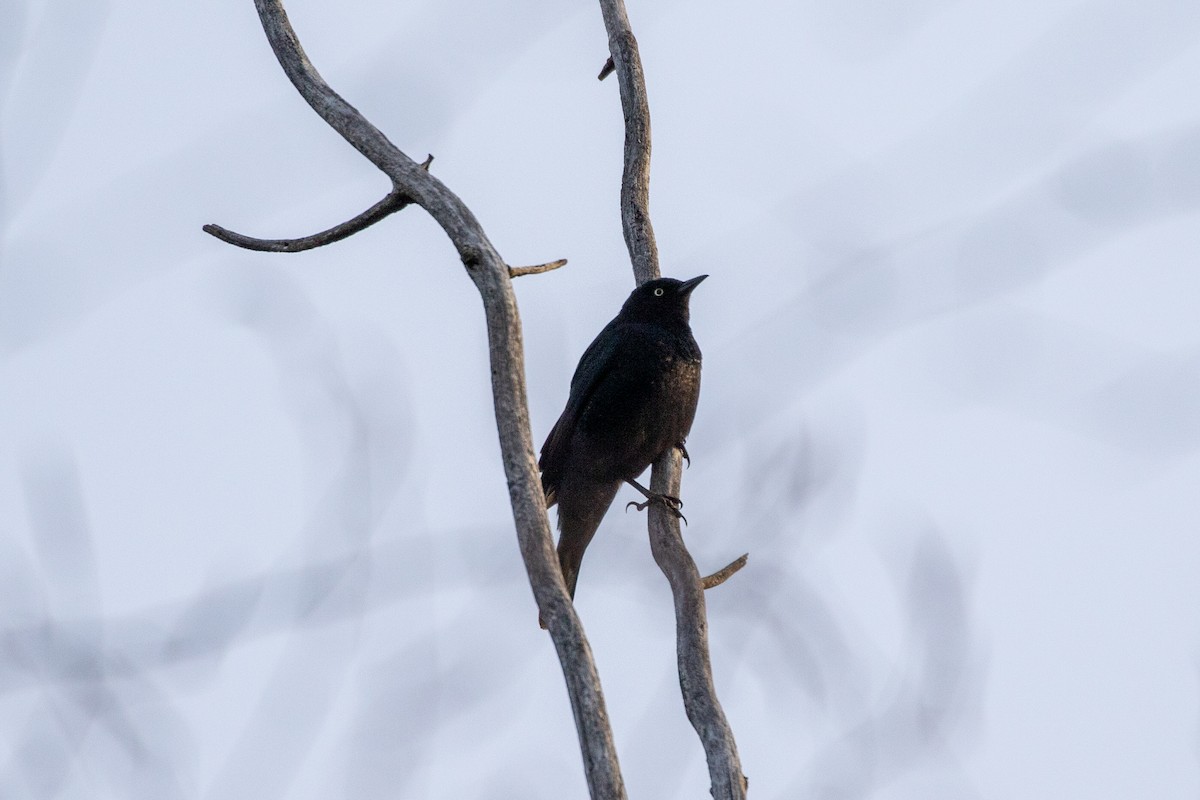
633	397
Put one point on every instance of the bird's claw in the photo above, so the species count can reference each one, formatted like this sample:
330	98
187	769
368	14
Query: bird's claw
671	504
684	452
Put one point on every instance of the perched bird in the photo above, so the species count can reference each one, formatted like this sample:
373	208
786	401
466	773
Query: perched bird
633	397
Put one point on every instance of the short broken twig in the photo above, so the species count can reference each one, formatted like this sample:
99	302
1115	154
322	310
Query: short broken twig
516	272
724	573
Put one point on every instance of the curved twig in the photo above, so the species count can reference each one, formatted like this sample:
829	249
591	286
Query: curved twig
506	351
724	573
390	204
666	541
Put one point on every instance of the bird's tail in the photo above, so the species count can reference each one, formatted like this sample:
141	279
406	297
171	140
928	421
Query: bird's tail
579	516
578	522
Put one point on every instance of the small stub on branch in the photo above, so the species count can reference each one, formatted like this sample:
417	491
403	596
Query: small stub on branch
516	272
428	160
725	573
608	69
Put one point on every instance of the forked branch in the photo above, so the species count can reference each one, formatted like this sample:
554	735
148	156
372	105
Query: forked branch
666	541
493	280
392	202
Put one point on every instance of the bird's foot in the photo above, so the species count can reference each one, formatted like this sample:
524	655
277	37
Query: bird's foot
684	452
671	504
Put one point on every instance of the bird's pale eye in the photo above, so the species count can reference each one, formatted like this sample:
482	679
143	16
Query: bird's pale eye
658	292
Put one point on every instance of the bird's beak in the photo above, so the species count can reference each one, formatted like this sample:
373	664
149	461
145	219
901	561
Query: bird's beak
685	288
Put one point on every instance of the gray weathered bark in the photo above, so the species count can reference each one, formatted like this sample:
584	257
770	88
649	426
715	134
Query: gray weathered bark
666	540
412	183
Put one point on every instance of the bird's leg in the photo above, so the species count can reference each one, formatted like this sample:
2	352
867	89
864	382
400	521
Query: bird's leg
686	457
672	504
654	497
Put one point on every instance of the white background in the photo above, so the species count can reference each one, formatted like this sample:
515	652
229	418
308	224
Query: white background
254	533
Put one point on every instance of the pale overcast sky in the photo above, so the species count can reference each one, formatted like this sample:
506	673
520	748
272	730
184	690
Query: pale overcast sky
254	533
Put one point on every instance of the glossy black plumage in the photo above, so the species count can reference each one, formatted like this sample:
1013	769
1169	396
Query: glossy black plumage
633	396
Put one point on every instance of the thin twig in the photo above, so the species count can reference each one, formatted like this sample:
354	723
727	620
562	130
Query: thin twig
516	272
666	541
491	277
394	201
390	204
724	573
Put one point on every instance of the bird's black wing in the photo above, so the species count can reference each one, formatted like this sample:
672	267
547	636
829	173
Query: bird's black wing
597	361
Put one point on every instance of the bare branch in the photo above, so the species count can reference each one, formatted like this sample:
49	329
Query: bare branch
516	272
329	105
491	277
607	69
635	181
390	204
666	541
724	573
691	637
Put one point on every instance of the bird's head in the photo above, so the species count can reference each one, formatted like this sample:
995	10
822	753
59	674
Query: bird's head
664	298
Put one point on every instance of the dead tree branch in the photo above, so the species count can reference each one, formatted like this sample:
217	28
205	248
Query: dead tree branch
666	540
635	180
491	277
691	639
